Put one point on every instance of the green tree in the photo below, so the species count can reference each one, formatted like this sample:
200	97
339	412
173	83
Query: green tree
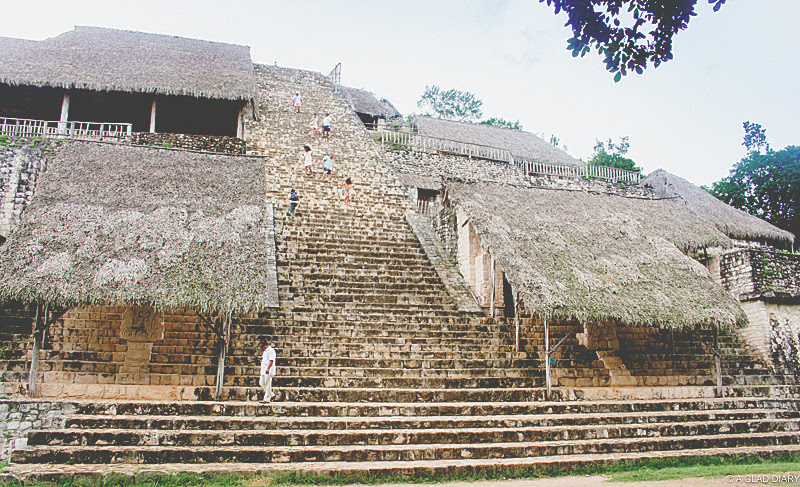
502	123
458	105
765	184
612	154
628	33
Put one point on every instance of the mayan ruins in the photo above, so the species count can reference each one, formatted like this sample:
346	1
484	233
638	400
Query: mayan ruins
485	303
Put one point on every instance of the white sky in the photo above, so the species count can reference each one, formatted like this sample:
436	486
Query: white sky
738	64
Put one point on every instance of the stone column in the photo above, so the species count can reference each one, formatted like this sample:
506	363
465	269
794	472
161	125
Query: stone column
153	117
141	326
62	126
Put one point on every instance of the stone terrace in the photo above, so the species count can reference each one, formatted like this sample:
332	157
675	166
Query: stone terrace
379	369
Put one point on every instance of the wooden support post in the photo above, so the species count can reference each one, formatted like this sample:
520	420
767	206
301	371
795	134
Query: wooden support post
516	324
718	363
62	125
153	117
492	277
224	337
548	384
240	124
38	337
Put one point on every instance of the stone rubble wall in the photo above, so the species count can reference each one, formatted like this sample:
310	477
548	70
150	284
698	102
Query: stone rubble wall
19	417
761	272
19	169
207	143
767	283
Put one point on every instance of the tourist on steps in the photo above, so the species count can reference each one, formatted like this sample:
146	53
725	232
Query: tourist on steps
297	102
294	200
327	167
306	159
326	125
267	369
314	125
347	185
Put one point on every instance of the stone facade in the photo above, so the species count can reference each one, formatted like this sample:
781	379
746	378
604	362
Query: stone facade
206	143
767	283
19	168
19	417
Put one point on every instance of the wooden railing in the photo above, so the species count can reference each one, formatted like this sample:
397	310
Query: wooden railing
22	127
424	143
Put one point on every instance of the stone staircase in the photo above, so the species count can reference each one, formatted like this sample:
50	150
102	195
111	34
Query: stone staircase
380	371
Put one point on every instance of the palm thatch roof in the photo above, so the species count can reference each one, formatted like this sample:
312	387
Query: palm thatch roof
363	101
599	257
101	59
521	144
147	226
731	221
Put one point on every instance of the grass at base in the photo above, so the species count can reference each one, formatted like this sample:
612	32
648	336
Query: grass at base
645	470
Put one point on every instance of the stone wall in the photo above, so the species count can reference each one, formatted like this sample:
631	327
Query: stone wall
425	164
592	185
19	167
19	417
767	283
761	273
208	143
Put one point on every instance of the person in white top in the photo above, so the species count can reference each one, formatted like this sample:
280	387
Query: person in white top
326	125
297	101
314	125
307	159
267	369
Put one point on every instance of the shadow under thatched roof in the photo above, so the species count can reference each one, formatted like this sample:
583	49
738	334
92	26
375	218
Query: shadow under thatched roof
731	221
365	102
599	257
137	225
521	144
102	59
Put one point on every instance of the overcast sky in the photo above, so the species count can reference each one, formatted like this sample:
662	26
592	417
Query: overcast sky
738	64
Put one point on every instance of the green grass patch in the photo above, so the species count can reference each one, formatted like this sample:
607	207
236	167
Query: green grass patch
639	471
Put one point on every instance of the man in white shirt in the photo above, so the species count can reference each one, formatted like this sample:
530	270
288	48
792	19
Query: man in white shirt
326	125
267	369
297	102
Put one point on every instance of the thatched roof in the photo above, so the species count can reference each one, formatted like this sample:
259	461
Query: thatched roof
138	225
101	59
731	221
599	257
520	143
365	102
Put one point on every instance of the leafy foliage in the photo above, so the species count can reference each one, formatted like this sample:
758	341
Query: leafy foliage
612	154
502	123
458	105
646	35
766	185
755	138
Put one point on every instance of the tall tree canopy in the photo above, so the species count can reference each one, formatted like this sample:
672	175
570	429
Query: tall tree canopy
629	33
765	183
612	154
458	105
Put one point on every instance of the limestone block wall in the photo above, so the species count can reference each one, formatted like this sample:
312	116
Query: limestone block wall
17	418
208	143
19	168
425	164
767	283
475	264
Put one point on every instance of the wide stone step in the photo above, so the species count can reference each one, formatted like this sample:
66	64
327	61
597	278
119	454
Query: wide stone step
409	436
278	422
388	383
403	452
427	409
375	469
